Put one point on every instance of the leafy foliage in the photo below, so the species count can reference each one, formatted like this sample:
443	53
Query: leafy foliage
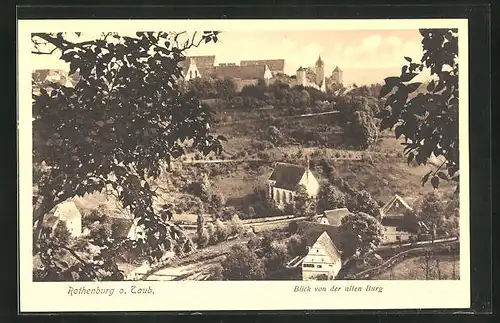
113	130
432	212
242	264
304	204
330	197
427	121
360	233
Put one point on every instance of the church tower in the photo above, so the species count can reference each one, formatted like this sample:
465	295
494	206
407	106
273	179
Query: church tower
320	72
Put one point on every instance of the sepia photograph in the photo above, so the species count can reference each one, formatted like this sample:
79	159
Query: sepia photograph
303	155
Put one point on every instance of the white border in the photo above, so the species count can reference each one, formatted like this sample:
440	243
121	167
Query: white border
248	295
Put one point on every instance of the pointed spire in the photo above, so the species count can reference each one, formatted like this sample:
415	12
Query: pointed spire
319	62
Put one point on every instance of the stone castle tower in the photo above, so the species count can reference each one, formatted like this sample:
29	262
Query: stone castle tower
320	72
337	75
301	76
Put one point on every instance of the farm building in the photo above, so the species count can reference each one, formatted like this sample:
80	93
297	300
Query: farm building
395	227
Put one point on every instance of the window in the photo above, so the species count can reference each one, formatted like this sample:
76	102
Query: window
190	74
278	196
283	196
308	265
290	197
195	73
318	266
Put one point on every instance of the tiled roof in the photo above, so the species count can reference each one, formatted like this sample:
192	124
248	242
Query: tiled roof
240	72
328	245
287	176
273	64
311	231
335	216
396	198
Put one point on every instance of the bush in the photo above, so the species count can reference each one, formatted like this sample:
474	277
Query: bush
210	229
242	264
221	231
235	226
215	273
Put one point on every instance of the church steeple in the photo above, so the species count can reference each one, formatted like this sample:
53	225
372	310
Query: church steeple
320	62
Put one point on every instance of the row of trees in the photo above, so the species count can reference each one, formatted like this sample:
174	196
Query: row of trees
219	231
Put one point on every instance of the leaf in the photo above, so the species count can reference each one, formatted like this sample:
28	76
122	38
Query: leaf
408	59
426	178
442	175
431	86
406	77
435	182
439	87
221	138
398	131
413	87
410	158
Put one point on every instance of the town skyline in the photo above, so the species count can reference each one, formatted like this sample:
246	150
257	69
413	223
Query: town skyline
365	56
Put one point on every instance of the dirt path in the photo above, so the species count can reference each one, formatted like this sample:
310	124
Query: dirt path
195	271
195	266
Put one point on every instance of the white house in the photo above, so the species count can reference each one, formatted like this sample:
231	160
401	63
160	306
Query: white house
286	179
189	69
392	214
322	259
68	213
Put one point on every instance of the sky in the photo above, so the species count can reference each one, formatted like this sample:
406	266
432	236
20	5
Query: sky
365	56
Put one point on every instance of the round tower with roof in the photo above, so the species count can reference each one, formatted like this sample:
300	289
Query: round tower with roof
320	71
301	76
337	75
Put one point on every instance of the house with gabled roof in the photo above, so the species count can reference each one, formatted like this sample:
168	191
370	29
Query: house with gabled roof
189	69
332	217
68	213
324	257
392	218
286	179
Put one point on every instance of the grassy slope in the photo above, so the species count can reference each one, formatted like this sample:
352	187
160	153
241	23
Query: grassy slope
414	269
383	174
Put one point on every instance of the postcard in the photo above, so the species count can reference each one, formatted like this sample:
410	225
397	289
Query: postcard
195	165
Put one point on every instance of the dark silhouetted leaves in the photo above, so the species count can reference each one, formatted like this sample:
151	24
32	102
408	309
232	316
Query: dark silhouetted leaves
429	118
435	182
426	178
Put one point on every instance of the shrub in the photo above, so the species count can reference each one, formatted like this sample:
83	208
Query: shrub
215	272
235	225
221	231
210	229
242	264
